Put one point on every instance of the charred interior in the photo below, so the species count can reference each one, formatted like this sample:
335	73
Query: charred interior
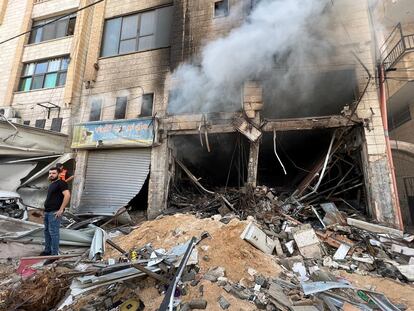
298	151
320	94
321	165
219	162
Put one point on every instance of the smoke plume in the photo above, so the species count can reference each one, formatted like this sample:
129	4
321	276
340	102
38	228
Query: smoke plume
276	41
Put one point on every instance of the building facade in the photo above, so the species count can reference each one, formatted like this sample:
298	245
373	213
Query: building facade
133	122
395	21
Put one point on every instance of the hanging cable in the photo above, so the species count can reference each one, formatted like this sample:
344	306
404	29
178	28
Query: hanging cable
50	22
274	149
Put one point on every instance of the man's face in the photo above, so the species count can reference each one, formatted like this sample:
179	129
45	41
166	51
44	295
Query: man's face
53	175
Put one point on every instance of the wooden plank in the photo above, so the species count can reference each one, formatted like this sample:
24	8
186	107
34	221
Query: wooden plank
374	228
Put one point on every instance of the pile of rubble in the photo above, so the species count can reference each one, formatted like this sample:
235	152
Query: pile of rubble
221	262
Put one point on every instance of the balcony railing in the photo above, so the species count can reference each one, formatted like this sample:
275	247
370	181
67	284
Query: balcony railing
396	46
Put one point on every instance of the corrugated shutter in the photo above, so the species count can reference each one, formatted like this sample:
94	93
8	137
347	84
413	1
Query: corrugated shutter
113	178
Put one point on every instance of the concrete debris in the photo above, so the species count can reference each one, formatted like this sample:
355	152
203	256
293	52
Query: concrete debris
407	271
307	241
374	228
214	274
292	265
402	250
342	251
258	238
333	215
224	304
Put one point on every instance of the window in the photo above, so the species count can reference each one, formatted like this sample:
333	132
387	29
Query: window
146	106
399	118
221	8
26	122
40	123
61	28
120	107
56	124
44	74
138	32
96	108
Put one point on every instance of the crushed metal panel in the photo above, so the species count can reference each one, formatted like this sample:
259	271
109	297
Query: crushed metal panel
62	159
112	179
11	227
30	141
11	175
247	129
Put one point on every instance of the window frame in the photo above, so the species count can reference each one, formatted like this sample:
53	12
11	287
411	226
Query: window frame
118	102
152	105
138	36
40	30
61	71
96	102
226	13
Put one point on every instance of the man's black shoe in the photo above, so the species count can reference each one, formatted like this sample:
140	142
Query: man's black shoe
49	261
44	253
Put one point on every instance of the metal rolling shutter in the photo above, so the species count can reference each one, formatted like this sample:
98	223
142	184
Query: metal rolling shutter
113	178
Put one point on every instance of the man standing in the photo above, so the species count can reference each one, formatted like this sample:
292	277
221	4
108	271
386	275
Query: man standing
57	199
63	173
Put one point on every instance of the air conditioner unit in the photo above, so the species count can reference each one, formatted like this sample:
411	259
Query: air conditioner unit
16	120
8	112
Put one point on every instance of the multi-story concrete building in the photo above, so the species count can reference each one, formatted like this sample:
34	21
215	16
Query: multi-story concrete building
238	91
42	69
395	35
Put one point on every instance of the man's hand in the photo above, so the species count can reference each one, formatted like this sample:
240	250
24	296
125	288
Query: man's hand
59	213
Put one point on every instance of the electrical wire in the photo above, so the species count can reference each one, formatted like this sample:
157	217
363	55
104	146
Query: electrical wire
274	149
50	22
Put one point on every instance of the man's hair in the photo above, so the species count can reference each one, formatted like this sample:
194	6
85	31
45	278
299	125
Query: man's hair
54	169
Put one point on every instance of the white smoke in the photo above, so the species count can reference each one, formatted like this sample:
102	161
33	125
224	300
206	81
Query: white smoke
288	30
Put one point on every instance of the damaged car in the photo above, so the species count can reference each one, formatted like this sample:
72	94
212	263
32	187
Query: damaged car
9	205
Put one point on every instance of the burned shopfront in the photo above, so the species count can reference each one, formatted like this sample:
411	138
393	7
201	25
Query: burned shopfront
295	162
116	163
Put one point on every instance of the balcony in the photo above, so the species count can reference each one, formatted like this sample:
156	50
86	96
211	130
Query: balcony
396	46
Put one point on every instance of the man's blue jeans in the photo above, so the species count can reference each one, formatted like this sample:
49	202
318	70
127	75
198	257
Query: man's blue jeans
52	225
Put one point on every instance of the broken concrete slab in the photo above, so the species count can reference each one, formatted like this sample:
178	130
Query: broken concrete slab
402	250
247	129
333	215
214	273
304	308
276	292
407	271
307	241
341	252
198	303
374	227
278	247
224	304
258	238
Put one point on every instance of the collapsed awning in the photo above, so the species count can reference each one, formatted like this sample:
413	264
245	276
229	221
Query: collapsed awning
62	159
21	140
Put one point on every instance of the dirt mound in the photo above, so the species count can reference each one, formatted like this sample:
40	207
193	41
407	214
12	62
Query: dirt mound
41	293
224	248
